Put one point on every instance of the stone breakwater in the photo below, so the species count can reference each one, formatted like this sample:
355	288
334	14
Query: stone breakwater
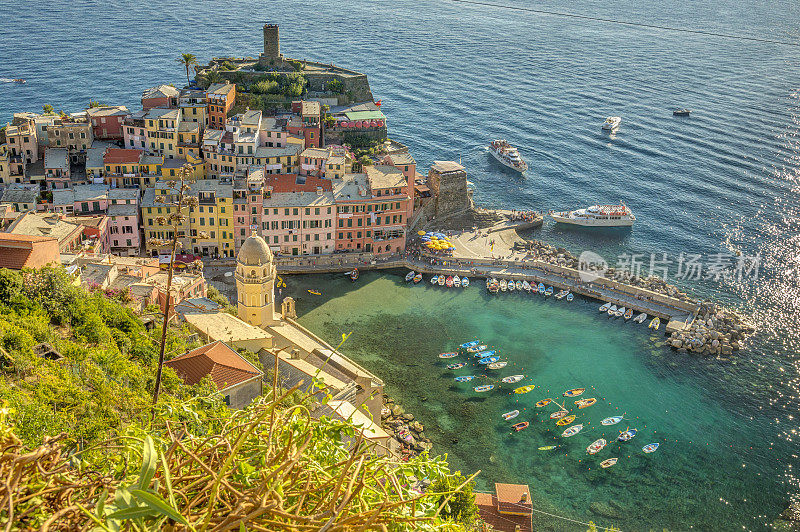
402	426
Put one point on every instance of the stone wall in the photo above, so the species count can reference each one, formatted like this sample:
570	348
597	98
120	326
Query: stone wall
450	192
244	394
338	135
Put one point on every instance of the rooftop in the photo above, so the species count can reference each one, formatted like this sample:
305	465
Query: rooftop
443	167
123	210
351	187
122	156
161	91
49	225
16	250
216	360
220	88
18	195
115	110
224	327
94	192
56	158
289	183
401	159
310	108
384	176
158	112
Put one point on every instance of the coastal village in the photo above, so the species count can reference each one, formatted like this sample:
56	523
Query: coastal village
285	181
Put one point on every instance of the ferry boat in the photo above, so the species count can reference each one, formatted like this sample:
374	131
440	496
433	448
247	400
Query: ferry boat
597	216
611	123
507	155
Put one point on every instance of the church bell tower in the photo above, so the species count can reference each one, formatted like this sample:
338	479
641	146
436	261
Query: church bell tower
255	283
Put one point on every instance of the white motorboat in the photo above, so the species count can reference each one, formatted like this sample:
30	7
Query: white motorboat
456	281
526	286
620	311
507	155
410	275
640	317
561	294
434	279
612	310
597	216
605	307
611	123
503	285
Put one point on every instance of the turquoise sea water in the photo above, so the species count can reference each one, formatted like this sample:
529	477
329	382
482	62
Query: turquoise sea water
454	76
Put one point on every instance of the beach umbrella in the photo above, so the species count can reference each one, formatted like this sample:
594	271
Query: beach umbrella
421	233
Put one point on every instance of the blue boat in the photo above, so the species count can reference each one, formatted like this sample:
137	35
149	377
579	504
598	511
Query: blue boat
469	344
650	448
465	378
488	360
570	297
484	354
628	435
540	288
549	291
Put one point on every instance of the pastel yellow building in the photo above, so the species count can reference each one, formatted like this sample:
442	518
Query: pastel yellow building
161	126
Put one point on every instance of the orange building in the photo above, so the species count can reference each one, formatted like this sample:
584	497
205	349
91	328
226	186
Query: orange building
220	98
27	251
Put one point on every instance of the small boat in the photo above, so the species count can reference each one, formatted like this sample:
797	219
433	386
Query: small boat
520	426
19	80
655	324
434	279
650	448
498	365
441	280
612	310
484	353
484	388
464	282
620	311
548	447
564	421
449	281
511	379
611	420
628	435
628	314
494	288
457	281
417	278
548	292
518	285
605	307
561	294
681	112
596	446
608	463
611	123
448	355
476	348
540	288
503	285
511	286
314	292
510	415
543	402
464	378
575	392
467	345
524	389
488	360
354	275
570	297
584	403
640	318
572	431
526	286
409	276
559	414
457	365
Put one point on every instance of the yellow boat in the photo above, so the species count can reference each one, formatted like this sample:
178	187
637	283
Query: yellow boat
583	403
315	292
543	402
524	389
574	392
565	420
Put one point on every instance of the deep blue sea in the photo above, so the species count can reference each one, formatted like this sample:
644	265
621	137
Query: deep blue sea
454	76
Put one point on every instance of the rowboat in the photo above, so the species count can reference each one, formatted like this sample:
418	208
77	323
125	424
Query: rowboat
484	388
612	310
511	379
464	282
540	288
570	297
575	392
543	402
628	314
511	286
441	280
503	285
484	354
526	286
524	389
605	307
448	355
561	294
620	311
510	415
564	421
584	403
476	348
548	292
650	447
628	435
655	323
467	345
559	414
640	318
608	463
611	420
457	281
449	281
572	431
596	446
498	365
488	360
521	426
315	292
417	278
493	288
434	279
464	378
518	285
410	275
354	275
548	447
458	365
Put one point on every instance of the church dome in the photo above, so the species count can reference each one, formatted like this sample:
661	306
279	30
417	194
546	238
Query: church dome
254	252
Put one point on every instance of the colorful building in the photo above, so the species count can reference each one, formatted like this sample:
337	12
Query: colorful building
68	235
165	96
123	222
107	122
307	123
73	133
20	199
22	143
56	168
134	132
161	126
220	98
27	251
192	103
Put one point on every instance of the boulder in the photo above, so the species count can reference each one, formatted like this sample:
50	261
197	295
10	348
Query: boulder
408	417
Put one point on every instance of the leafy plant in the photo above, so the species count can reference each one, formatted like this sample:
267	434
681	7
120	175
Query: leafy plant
187	60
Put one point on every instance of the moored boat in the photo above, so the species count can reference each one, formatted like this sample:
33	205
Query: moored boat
548	292
511	286
543	402
503	285
574	392
640	318
511	379
434	279
572	431
314	292
558	414
354	275
464	282
417	278
650	447
493	288
449	281
570	297
518	285
484	354
476	348
608	463
596	446
507	155
448	355
498	365
612	310
620	311
628	314
484	388
456	281
441	280
584	403
526	286
627	435
548	447
561	294
540	288
464	378
410	275
655	324
488	360
510	415
457	365
564	421
611	420
524	389
605	307
521	426
467	345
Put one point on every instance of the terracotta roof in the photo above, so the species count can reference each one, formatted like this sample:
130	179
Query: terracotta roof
224	365
509	497
16	250
120	155
288	183
487	509
11	237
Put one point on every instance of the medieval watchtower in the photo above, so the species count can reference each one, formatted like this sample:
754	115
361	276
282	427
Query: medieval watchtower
272	45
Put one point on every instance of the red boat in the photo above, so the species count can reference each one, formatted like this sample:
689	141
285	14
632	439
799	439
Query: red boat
449	281
521	426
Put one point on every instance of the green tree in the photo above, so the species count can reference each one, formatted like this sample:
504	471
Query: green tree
10	285
47	109
94	103
187	60
458	498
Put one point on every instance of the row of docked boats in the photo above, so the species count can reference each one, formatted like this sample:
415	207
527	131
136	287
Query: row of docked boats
510	285
450	281
621	312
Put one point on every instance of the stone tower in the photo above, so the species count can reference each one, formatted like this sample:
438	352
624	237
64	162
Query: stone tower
272	44
255	283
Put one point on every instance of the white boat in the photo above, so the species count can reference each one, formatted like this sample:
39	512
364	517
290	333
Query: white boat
620	311
464	282
612	310
434	279
640	318
498	365
526	286
611	123
456	281
507	155
605	307
511	286
410	275
519	285
596	446
442	279
511	379
570	297
503	285
597	216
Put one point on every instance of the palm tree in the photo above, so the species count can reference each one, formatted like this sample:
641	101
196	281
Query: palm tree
187	60
214	77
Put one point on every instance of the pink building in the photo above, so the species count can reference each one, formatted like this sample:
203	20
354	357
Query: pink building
123	216
107	122
95	232
406	164
248	205
134	133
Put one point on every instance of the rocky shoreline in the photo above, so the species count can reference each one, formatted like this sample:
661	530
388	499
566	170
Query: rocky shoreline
404	428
